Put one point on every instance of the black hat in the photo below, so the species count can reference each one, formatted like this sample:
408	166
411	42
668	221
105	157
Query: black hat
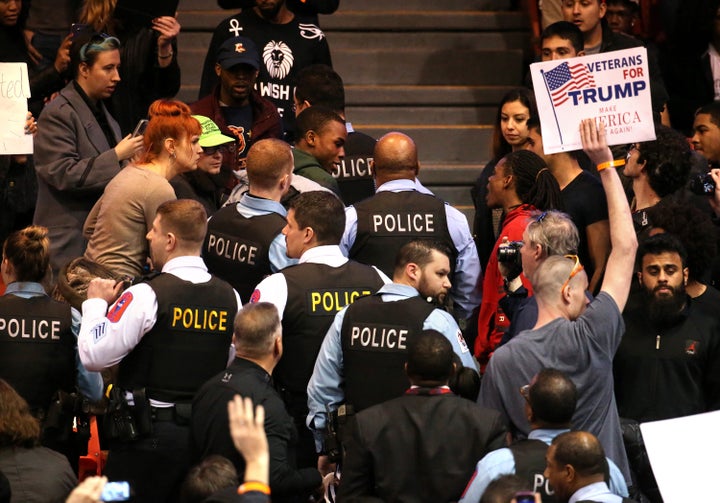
236	51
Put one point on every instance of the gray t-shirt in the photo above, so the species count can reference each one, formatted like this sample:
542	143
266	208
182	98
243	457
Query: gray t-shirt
583	349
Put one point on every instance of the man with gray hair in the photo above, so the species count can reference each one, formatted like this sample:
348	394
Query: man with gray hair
571	334
548	233
258	343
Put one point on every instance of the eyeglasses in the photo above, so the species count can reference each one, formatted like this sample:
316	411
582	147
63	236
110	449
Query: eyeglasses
99	42
631	147
576	269
223	149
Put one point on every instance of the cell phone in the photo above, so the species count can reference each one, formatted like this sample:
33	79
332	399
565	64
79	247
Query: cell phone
77	28
140	128
116	491
525	497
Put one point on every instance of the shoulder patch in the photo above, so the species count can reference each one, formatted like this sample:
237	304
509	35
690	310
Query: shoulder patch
461	341
255	297
119	307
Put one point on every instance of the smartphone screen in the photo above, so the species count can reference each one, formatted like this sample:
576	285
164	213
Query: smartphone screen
78	28
116	491
140	128
525	497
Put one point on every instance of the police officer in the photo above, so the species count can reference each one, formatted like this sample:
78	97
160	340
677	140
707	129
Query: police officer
320	85
37	343
378	227
362	357
244	242
550	400
258	348
309	295
170	334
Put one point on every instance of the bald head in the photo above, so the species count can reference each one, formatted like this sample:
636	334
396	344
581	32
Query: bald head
395	158
581	450
268	161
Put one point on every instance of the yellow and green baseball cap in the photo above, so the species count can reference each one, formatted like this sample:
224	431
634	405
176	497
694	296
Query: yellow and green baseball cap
211	135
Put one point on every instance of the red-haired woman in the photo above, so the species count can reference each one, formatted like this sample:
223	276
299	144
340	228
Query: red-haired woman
118	223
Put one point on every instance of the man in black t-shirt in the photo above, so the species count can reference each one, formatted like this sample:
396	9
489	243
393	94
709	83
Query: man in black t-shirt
287	43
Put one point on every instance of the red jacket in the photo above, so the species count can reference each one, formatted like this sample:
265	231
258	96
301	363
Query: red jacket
266	120
492	322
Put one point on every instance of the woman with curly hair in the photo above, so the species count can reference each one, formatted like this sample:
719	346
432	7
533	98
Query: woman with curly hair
36	474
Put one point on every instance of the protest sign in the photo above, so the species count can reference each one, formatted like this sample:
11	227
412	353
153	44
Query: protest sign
613	87
683	452
14	92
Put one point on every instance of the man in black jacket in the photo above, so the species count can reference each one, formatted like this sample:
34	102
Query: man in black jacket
420	446
258	344
668	363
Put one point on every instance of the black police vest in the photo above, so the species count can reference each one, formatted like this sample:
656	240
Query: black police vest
389	220
316	292
354	174
374	336
189	342
237	249
530	463
37	348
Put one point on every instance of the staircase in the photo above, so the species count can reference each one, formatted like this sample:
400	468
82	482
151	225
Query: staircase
436	75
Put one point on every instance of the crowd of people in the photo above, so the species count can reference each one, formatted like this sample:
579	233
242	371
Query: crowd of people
256	302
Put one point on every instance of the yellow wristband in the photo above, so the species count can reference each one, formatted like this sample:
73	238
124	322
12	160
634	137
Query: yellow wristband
611	164
254	486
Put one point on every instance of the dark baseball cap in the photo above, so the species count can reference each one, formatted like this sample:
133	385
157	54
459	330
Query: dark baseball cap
236	51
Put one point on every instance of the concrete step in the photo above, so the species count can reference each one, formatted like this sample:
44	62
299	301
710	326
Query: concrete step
457	196
383	40
427	20
449	174
424	95
422	67
206	19
376	5
441	144
406	66
421	114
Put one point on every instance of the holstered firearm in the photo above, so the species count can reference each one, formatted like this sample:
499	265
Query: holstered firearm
337	430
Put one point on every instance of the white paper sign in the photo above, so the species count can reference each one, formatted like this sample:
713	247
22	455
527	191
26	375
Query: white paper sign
613	86
683	455
14	93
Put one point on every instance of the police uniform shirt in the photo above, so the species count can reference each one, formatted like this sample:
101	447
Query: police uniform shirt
464	292
501	462
250	206
274	288
90	384
106	337
326	388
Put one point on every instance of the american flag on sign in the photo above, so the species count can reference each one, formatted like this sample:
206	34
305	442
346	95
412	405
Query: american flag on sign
564	78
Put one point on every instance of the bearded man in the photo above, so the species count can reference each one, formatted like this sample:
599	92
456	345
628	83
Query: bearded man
668	363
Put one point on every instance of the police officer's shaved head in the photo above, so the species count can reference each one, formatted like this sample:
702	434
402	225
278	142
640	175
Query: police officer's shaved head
268	161
186	218
257	326
395	157
323	212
